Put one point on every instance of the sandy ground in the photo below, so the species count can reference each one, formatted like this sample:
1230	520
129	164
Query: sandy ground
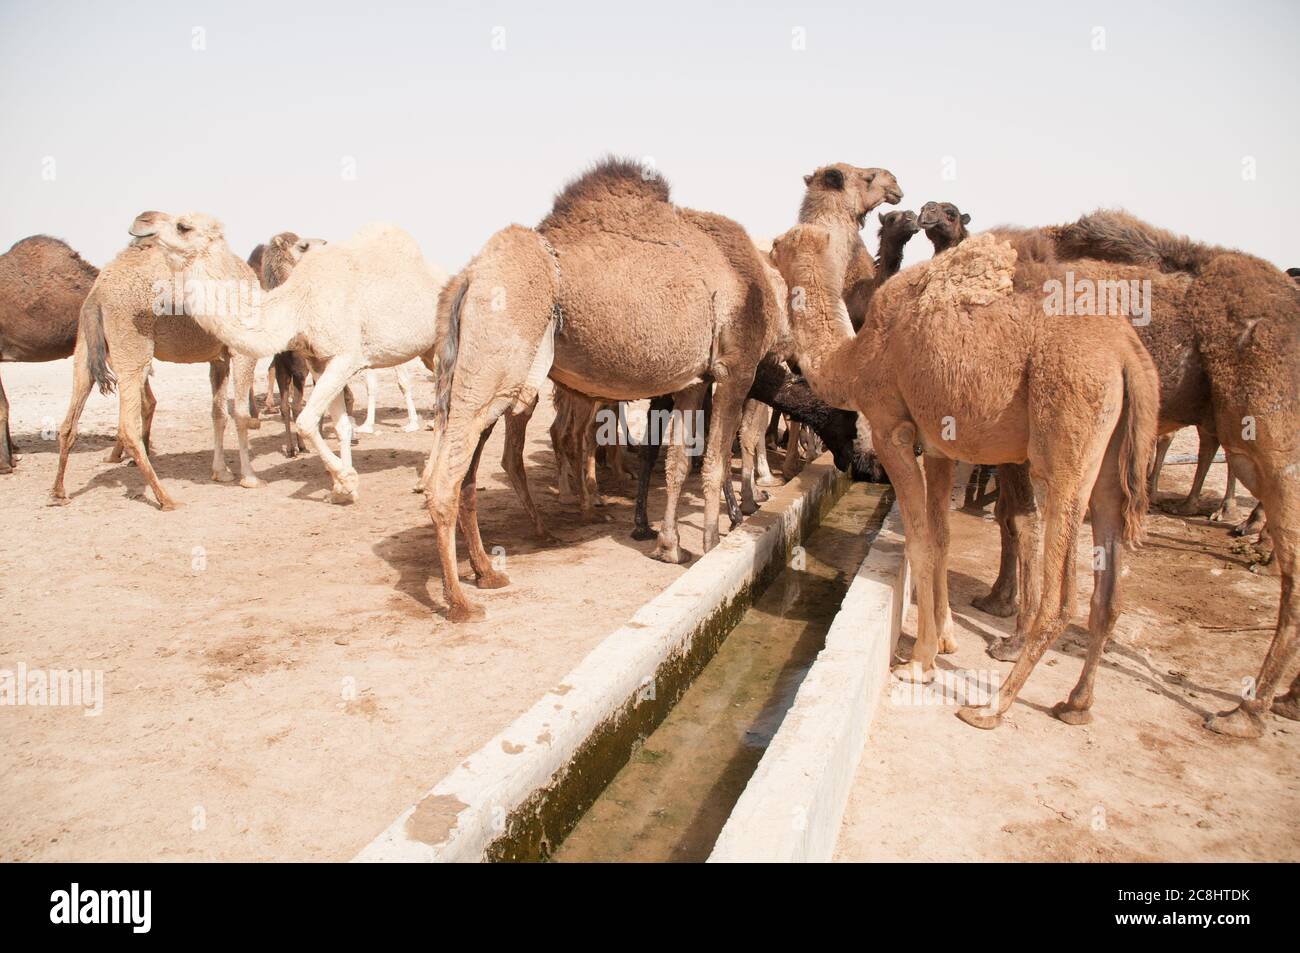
1144	781
279	681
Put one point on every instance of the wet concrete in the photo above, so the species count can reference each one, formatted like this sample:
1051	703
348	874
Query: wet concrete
674	795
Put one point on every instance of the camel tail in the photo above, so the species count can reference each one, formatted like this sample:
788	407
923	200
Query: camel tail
92	323
448	348
1137	433
1111	235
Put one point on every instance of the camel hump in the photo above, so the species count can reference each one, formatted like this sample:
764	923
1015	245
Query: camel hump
396	241
976	272
612	179
1115	235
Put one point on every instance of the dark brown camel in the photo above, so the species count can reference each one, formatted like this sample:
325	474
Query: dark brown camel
944	224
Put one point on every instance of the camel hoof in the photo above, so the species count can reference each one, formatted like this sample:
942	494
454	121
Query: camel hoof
168	506
979	718
914	672
769	481
251	482
465	612
290	452
342	497
674	555
996	606
365	428
1238	723
643	533
412	427
5	468
1006	650
252	423
222	476
1065	712
57	501
1288	706
1182	508
1222	515
493	580
947	645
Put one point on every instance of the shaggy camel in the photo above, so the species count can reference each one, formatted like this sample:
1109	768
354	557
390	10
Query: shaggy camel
839	197
124	325
366	302
944	224
955	360
42	285
1245	320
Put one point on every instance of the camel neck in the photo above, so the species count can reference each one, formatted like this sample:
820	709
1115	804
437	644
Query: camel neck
238	312
890	258
823	336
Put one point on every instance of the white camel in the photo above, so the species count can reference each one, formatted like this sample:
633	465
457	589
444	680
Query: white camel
368	302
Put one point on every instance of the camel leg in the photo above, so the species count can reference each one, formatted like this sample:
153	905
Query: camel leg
1276	486
894	442
753	425
512	461
724	420
647	454
467	516
1162	448
793	461
1062	515
1002	598
272	379
284	378
1107	514
583	439
1252	524
1227	510
1206	449
686	403
372	387
6	443
130	399
81	385
960	484
218	374
243	369
938	501
404	385
330	384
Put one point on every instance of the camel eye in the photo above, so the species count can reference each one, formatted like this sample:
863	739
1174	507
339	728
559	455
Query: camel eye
870	179
183	228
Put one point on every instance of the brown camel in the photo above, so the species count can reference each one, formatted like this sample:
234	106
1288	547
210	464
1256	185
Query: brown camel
42	285
896	230
840	196
944	224
125	324
1245	319
955	360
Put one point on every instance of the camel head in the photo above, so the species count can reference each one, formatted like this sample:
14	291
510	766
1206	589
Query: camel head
801	243
1294	273
846	188
899	226
283	252
944	224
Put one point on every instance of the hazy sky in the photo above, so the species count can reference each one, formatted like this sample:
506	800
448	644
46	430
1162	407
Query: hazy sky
459	118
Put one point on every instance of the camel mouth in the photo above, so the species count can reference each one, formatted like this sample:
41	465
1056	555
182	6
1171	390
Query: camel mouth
924	222
893	196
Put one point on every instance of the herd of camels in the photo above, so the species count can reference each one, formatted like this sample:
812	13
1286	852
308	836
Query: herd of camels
618	294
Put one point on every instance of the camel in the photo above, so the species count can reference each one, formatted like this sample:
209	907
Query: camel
944	224
366	302
953	358
124	325
1245	322
839	197
289	369
42	285
896	230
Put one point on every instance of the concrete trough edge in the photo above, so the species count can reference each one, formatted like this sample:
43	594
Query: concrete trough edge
793	806
527	786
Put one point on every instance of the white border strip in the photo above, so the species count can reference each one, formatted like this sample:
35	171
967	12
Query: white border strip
793	806
466	811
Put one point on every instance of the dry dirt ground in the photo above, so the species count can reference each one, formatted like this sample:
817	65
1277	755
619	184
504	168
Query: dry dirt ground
1144	781
279	681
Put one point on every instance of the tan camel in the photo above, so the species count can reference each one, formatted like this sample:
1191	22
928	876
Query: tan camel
366	302
953	359
42	285
1245	319
131	317
839	197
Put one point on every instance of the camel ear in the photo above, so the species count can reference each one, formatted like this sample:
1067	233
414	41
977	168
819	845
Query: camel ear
965	218
807	180
833	178
145	224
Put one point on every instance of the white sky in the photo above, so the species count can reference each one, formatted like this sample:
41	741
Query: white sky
453	139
